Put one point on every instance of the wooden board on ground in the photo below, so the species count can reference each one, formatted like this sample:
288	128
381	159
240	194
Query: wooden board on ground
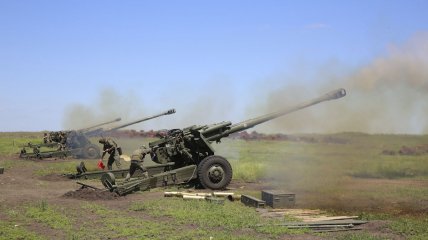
304	215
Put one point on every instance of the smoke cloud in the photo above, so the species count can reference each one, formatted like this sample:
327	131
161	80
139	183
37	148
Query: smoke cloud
388	95
108	106
209	102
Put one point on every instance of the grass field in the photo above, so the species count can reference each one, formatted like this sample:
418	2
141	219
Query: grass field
342	173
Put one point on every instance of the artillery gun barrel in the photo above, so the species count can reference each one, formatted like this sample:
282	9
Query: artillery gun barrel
171	111
99	125
215	127
258	120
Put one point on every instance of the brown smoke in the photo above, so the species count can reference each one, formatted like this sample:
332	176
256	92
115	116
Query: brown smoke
388	95
212	102
109	106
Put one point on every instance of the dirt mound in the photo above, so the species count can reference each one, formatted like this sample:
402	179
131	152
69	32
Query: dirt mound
91	194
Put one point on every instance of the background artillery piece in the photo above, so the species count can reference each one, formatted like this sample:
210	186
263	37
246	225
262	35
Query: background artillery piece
192	156
77	142
60	140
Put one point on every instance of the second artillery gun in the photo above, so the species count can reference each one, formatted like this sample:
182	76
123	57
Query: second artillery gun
189	155
77	142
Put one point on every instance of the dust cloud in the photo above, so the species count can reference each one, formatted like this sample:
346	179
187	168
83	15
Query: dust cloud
215	101
209	102
387	95
109	105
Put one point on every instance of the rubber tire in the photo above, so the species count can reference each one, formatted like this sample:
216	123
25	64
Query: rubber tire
91	151
206	164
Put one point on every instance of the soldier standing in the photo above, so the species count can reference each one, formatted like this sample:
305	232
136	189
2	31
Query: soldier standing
110	147
45	138
62	141
137	159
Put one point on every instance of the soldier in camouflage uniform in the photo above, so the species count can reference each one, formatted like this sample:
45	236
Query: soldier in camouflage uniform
62	141
137	159
110	147
54	136
45	138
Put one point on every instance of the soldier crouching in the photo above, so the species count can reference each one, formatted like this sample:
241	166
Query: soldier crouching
137	159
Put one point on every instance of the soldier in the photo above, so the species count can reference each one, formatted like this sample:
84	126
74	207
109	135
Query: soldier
45	138
110	147
53	136
137	159
62	141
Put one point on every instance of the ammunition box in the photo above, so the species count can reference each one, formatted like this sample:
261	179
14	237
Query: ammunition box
279	199
252	201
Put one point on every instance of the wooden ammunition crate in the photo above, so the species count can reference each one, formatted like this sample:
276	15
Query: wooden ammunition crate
278	199
252	201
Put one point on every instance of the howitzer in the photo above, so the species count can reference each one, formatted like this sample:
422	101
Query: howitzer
59	136
191	148
170	111
77	142
101	131
89	130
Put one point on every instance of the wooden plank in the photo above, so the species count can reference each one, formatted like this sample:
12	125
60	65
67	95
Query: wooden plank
326	218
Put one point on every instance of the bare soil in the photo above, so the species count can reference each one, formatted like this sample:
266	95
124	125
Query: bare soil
19	185
91	194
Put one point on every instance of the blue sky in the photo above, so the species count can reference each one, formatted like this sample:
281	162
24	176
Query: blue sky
55	55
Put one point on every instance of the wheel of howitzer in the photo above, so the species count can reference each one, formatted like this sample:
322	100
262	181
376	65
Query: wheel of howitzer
214	172
91	151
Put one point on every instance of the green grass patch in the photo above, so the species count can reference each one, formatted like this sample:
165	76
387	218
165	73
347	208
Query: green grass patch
393	167
119	224
359	236
65	167
9	231
13	144
412	228
247	171
8	164
49	216
230	216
